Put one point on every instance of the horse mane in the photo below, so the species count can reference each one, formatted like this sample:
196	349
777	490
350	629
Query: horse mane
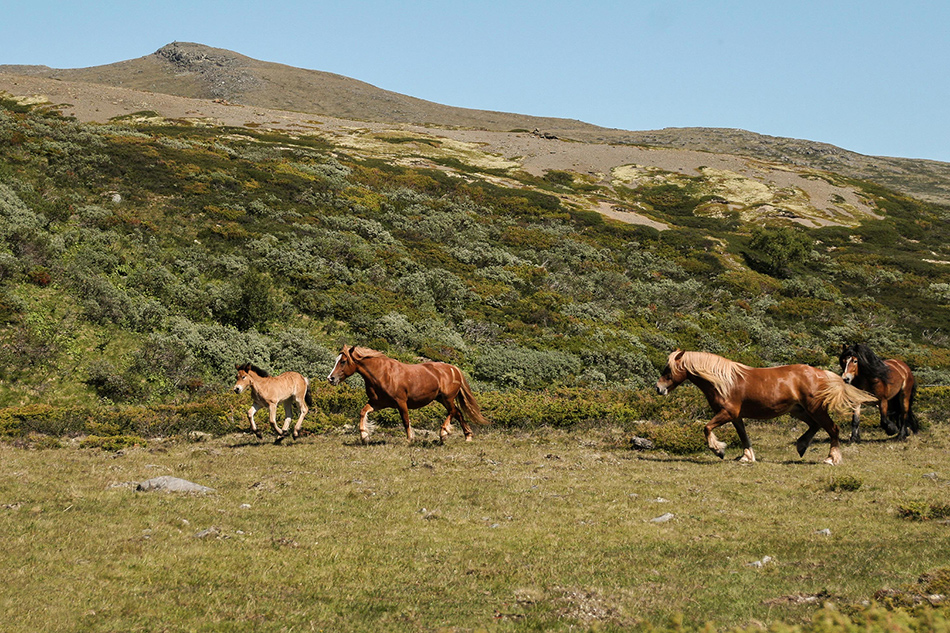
359	353
721	372
870	366
254	368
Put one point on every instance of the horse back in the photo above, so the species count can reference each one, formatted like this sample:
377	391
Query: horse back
767	392
287	385
900	378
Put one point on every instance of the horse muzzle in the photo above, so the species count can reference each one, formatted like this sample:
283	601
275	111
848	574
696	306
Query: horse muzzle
238	389
661	389
333	380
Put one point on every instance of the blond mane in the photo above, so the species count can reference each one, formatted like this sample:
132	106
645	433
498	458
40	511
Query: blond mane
721	372
360	353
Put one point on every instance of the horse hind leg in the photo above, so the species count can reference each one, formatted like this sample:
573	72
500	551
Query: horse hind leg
452	411
304	409
747	455
824	421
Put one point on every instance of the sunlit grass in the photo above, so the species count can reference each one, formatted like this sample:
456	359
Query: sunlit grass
516	531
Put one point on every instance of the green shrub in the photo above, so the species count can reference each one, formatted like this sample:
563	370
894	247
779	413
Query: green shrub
681	439
923	511
844	483
776	251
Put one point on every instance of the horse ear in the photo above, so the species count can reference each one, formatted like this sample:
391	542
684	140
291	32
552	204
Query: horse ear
679	354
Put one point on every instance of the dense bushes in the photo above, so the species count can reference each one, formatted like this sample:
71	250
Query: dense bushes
181	251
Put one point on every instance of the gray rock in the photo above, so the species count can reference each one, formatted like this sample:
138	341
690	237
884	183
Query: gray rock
641	444
663	518
171	484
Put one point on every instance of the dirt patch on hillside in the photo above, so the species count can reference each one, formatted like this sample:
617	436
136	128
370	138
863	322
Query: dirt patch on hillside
802	195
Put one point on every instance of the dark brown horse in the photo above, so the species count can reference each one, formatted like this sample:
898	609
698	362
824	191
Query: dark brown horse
269	391
736	391
890	381
391	384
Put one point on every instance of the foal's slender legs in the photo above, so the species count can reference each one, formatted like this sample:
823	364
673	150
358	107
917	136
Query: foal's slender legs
250	416
303	412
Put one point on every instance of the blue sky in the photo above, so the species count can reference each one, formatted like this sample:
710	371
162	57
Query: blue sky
867	76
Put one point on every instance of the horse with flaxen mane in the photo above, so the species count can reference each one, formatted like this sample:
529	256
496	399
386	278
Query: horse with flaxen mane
736	391
391	384
269	391
890	381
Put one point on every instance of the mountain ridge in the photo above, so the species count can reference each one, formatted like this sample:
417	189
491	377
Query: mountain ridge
197	71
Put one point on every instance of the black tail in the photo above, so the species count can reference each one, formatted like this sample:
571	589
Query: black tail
306	397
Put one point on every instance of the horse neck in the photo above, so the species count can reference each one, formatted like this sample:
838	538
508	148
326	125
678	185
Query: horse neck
369	368
706	386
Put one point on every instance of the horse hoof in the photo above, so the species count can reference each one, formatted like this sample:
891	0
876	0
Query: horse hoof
364	438
259	435
280	438
468	438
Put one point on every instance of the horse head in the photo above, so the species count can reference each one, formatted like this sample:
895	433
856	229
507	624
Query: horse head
672	375
849	363
344	367
243	378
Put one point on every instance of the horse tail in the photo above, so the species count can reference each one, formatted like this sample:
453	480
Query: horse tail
466	402
306	396
837	395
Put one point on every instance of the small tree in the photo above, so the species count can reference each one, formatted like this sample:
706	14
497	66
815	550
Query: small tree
775	251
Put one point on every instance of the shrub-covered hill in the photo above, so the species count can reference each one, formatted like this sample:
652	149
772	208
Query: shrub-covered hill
139	262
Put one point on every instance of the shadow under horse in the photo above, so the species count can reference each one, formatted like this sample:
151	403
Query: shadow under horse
392	384
890	381
736	391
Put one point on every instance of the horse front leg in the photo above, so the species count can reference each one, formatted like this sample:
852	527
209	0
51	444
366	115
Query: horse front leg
855	425
364	415
272	411
404	412
897	416
889	427
747	455
288	416
254	429
717	447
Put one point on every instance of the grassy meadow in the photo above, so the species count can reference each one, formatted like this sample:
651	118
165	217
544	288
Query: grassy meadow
520	530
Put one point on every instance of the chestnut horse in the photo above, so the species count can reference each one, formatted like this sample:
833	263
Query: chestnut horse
269	391
736	391
391	384
890	381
